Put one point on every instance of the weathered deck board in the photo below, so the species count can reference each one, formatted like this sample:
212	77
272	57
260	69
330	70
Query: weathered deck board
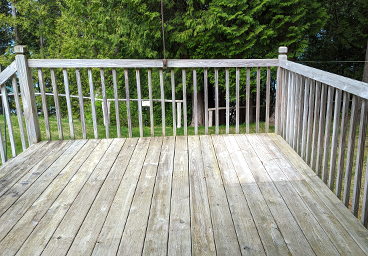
196	195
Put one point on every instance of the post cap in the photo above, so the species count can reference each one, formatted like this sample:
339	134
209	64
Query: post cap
20	49
283	50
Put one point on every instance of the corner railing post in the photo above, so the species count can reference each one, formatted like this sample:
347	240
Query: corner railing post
28	95
279	92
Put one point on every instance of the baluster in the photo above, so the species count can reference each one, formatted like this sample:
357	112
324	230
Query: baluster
81	103
151	102
116	97
305	118
140	118
205	101
268	84
247	100
321	128
312	86
258	100
162	102
57	106
127	97
326	148
44	103
19	112
93	105
237	101
184	78
104	103
317	107
216	102
4	95
195	101
173	100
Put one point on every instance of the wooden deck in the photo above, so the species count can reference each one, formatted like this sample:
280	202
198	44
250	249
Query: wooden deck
200	195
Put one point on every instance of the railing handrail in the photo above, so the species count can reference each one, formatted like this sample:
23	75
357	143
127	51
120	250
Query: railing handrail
8	72
154	63
343	83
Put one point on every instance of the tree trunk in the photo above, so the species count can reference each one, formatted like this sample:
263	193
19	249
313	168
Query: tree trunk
365	72
16	31
200	108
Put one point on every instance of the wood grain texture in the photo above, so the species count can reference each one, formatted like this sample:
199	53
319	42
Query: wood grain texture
334	139
19	112
162	102
173	101
359	158
351	147
326	147
179	242
201	227
44	103
136	224
93	105
222	223
81	103
342	143
68	104
155	242
8	72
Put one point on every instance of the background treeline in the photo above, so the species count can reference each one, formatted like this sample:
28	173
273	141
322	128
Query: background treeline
313	30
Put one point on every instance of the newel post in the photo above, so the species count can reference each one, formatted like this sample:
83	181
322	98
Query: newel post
279	92
28	95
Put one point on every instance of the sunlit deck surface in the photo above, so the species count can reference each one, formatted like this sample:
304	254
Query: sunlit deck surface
200	195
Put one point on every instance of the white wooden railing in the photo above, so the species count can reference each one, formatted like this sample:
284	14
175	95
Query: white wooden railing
313	108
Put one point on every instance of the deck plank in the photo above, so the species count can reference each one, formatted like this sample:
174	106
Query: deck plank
155	242
201	227
47	225
268	236
293	235
223	226
352	225
135	228
113	228
179	231
202	195
24	227
334	230
246	230
312	230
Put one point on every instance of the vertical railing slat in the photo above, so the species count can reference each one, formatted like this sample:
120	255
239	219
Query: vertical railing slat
284	102
268	85
351	146
247	101
335	134
116	97
364	218
297	89
57	106
68	103
19	113
140	114
237	100
321	130
44	103
152	121
162	102
326	148
4	96
93	104
312	87
173	100
305	118
195	101
2	149
359	158
205	100
342	144
216	102
127	97
81	103
300	117
104	103
288	107
317	108
184	78
258	100
227	81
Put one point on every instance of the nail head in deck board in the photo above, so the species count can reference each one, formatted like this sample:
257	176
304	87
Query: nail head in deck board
356	230
223	226
136	224
110	235
334	230
179	231
32	217
156	238
237	178
201	228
